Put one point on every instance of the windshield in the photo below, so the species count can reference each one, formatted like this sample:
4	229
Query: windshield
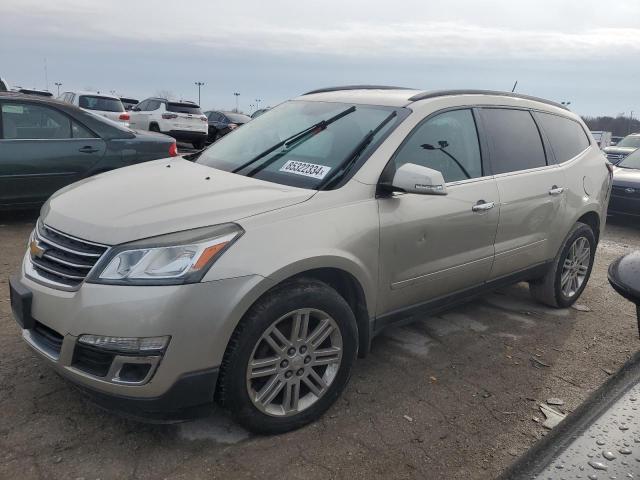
307	160
631	161
103	104
632	141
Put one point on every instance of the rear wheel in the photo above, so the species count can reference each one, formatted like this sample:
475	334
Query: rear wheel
290	358
568	276
154	128
199	144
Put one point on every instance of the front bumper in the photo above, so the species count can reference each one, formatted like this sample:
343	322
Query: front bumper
624	204
199	318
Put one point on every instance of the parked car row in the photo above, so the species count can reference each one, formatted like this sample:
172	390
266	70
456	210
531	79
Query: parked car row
624	147
46	144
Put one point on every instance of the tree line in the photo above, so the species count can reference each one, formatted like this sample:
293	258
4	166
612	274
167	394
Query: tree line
619	126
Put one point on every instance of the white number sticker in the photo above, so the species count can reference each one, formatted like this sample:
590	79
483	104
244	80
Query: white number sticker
307	169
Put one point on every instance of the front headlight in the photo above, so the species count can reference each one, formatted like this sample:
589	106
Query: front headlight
172	259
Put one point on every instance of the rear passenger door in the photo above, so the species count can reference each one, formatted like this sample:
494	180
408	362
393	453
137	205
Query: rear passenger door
42	150
530	186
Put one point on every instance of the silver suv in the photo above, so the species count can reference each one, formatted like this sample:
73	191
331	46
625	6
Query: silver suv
256	273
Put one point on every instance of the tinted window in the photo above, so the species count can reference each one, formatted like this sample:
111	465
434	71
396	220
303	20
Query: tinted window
104	104
567	137
79	131
151	105
184	108
448	143
28	121
515	140
237	117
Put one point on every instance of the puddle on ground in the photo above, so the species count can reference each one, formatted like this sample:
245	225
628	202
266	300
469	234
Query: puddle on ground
218	427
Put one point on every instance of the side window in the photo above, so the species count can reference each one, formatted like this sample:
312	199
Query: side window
566	136
143	105
79	131
152	105
26	121
514	138
448	143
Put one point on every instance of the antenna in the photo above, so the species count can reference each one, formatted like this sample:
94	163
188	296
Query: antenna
46	76
514	86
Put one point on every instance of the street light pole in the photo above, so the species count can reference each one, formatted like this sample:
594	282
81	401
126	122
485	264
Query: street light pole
258	103
199	84
236	94
58	84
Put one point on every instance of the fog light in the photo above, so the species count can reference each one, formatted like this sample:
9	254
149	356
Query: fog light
126	344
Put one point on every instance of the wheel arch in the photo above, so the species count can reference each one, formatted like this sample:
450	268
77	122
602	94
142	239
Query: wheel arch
592	219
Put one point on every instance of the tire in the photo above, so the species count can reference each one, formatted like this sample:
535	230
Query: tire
199	144
239	393
154	128
550	289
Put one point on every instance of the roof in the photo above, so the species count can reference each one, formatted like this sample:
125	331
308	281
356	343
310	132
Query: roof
401	96
94	94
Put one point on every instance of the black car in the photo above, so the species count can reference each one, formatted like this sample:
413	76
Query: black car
625	194
46	144
221	123
128	102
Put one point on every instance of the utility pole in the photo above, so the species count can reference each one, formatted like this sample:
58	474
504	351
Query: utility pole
199	84
236	94
46	75
58	84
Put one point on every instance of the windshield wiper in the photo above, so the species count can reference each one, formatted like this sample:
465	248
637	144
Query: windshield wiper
348	162
294	140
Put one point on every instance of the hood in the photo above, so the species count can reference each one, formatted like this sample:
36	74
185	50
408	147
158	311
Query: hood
626	177
159	197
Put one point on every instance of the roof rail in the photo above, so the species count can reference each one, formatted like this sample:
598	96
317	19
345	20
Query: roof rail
355	87
446	93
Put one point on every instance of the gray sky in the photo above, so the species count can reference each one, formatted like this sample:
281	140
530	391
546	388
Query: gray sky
583	51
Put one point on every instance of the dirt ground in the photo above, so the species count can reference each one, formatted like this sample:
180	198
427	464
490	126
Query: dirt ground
453	396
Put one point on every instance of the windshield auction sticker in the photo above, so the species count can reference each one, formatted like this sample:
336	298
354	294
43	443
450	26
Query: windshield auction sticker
306	169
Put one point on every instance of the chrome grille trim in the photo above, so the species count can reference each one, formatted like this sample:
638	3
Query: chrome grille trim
64	261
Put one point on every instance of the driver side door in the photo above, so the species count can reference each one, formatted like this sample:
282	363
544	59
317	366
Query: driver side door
435	245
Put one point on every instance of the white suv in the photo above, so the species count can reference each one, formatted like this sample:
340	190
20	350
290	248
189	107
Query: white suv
107	106
182	120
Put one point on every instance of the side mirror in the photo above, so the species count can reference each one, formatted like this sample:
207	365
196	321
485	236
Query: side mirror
412	178
624	277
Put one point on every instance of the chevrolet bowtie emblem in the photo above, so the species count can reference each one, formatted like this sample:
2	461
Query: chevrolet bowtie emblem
35	249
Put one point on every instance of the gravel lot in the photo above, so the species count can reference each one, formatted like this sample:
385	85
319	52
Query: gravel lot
452	396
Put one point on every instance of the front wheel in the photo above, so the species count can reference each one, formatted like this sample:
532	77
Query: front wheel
290	358
568	276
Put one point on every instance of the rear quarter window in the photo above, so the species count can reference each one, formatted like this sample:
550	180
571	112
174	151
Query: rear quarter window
566	136
514	140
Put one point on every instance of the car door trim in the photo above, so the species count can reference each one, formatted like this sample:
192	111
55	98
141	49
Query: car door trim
408	314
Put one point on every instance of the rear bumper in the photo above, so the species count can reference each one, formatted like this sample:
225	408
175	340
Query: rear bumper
187	135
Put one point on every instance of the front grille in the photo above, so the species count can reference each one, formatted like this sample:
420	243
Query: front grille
615	157
47	338
91	360
62	259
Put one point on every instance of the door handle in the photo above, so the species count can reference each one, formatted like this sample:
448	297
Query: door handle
555	190
482	206
88	149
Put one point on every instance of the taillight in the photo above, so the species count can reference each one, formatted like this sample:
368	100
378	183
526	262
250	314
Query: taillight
169	116
233	125
173	150
203	118
124	116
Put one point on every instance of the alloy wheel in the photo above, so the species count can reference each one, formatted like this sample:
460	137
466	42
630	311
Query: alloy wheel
575	267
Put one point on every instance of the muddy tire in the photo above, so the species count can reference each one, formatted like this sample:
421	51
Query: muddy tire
289	358
567	277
